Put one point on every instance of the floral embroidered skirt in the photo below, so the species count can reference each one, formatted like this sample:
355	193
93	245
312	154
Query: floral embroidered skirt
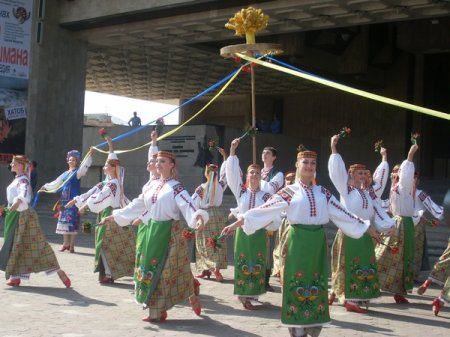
118	246
250	252
396	270
305	279
354	274
25	249
211	257
162	275
441	269
68	221
281	237
420	248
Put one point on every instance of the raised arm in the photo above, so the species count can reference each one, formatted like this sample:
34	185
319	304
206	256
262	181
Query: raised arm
82	170
380	176
154	145
336	168
406	174
233	171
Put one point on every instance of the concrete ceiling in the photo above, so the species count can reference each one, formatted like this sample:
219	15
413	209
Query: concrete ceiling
167	56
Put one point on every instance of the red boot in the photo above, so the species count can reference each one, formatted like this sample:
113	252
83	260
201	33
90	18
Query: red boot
196	287
331	297
205	273
13	282
421	290
400	299
162	318
195	304
437	306
218	275
353	307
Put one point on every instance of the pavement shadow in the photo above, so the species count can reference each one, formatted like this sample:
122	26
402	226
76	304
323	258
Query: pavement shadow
355	326
71	295
204	326
388	314
213	305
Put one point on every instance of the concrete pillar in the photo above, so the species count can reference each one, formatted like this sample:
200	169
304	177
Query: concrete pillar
55	94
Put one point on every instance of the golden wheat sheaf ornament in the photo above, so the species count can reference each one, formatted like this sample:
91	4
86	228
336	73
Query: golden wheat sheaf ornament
247	22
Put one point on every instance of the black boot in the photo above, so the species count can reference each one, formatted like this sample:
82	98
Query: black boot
268	286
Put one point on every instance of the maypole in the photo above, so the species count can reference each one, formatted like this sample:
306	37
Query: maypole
247	22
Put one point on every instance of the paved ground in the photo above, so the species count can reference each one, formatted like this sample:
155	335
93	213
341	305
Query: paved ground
43	307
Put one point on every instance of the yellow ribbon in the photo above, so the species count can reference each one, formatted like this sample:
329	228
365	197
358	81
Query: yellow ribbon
171	132
346	88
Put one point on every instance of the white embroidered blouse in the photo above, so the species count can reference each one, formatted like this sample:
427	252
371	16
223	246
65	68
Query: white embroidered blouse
364	203
201	195
19	189
160	200
306	205
101	196
246	198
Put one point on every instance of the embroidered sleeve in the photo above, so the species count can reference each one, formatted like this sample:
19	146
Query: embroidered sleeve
327	193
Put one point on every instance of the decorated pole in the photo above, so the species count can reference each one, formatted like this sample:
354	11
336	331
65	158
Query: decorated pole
246	23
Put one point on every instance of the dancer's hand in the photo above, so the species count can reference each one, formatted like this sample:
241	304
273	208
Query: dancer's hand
391	232
137	222
231	228
71	203
383	153
106	220
333	143
234	146
200	224
374	234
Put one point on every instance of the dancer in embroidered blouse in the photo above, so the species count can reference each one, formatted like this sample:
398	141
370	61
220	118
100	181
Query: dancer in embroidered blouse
25	249
281	236
422	204
162	274
152	153
354	277
69	218
308	207
250	251
396	267
211	253
271	181
441	269
115	246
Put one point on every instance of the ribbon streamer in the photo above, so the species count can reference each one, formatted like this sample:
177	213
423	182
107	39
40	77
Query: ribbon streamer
348	89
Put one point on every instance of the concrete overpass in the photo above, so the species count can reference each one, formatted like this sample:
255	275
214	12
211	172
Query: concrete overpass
170	49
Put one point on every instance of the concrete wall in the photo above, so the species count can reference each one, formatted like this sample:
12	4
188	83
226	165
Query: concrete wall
55	95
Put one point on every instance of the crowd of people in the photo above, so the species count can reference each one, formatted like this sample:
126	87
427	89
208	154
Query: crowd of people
278	231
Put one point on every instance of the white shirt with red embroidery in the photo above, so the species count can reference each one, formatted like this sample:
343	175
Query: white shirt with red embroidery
401	200
423	203
246	198
363	202
19	189
161	200
306	205
200	196
101	196
273	185
380	178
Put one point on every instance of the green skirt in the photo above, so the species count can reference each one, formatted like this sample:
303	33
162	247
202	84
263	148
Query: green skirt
354	268
250	253
118	245
25	249
305	279
163	276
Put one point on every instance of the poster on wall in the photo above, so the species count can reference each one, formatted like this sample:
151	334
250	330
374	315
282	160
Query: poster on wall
15	38
13	113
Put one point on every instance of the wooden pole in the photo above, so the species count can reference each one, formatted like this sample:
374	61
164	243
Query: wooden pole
252	73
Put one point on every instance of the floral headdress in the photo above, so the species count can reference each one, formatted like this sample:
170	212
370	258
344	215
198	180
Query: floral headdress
74	153
304	153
